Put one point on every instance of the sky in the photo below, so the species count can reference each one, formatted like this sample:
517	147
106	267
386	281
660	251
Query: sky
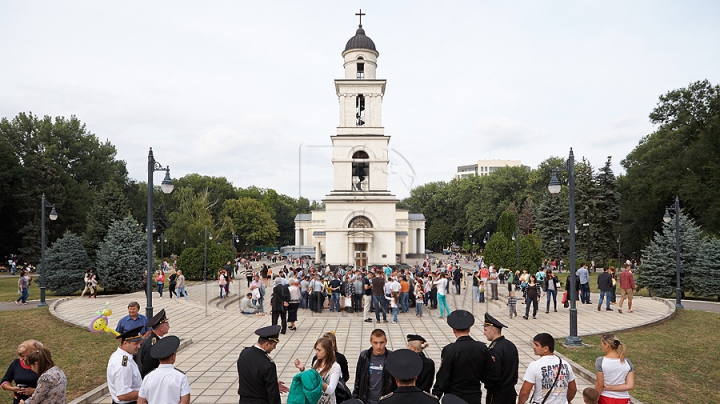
245	90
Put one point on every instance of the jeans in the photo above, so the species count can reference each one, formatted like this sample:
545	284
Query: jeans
395	313
222	289
418	308
304	299
405	301
379	307
606	295
357	302
585	292
457	287
335	301
24	295
534	302
160	288
553	293
442	304
476	294
482	297
181	292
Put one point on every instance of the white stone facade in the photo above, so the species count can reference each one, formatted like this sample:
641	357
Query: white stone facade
360	224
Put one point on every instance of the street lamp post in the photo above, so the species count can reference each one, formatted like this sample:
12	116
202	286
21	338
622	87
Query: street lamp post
208	235
666	219
587	227
618	263
167	187
53	216
554	188
559	239
516	237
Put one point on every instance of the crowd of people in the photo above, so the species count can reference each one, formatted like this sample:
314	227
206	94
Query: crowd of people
408	375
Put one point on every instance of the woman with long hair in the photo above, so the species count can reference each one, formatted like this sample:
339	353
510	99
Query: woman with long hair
20	373
327	367
532	292
51	380
339	357
614	374
442	287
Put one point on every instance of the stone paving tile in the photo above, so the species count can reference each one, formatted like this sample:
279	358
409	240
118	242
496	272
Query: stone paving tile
220	335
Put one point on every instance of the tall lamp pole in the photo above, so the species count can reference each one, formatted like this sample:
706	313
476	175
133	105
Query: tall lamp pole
208	235
167	187
554	188
587	227
618	240
666	219
516	237
53	216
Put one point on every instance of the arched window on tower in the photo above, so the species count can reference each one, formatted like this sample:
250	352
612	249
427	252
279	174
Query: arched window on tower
360	110
360	222
360	68
360	170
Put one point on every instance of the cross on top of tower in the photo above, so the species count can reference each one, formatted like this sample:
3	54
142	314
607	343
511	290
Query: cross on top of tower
360	14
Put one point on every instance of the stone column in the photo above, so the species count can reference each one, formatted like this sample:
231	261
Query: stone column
422	241
402	251
298	242
318	253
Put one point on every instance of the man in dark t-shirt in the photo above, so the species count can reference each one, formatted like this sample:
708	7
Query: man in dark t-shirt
378	296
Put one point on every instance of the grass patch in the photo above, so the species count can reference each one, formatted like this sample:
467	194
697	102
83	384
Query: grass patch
675	362
81	354
8	289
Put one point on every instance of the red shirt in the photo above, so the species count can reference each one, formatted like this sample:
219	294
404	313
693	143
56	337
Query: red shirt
627	281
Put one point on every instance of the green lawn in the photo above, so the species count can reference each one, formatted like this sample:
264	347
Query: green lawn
675	362
81	354
8	289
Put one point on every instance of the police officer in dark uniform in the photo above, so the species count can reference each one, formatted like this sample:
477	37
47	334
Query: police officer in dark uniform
405	365
257	372
463	361
160	326
426	377
502	364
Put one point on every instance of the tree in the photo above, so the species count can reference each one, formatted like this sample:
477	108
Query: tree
706	273
11	175
109	205
499	251
526	218
681	157
552	219
62	159
251	221
192	260
604	228
190	218
657	272
122	258
66	262
438	235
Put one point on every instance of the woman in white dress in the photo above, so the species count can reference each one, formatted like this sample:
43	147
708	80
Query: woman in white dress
328	368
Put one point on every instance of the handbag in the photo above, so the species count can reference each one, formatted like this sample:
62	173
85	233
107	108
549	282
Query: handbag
342	392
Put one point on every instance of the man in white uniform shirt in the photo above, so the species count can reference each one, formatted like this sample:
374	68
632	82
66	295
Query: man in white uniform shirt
165	385
123	375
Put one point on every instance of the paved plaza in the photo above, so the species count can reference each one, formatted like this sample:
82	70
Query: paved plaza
219	332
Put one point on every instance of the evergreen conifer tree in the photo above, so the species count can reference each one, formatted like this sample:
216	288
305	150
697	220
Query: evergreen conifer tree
121	259
657	272
551	220
603	229
706	274
109	205
66	262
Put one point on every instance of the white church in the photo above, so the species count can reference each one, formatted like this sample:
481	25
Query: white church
360	224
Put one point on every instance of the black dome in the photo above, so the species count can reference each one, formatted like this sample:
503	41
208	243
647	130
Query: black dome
360	41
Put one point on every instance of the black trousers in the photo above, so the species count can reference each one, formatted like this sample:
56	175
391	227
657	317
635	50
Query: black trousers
507	396
282	314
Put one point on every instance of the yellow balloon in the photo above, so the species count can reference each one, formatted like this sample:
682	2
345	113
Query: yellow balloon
107	312
99	324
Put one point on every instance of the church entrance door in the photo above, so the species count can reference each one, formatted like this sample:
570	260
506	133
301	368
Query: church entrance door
360	254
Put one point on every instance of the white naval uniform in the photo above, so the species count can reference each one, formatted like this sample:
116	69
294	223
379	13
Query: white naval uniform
164	385
123	375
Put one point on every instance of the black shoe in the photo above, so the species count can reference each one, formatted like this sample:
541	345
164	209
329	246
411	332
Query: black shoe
368	320
525	317
598	307
608	309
